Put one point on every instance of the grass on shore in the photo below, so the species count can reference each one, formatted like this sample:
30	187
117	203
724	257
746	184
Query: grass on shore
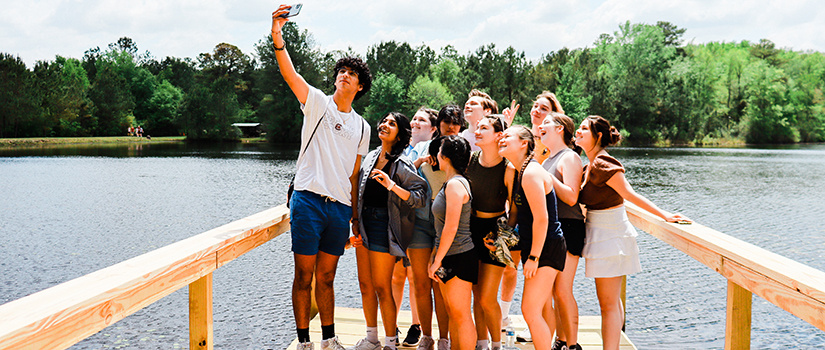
38	141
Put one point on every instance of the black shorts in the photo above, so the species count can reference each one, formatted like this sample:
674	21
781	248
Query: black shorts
461	265
553	254
573	230
479	228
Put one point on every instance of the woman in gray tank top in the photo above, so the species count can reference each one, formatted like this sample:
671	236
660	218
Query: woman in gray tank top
558	134
454	254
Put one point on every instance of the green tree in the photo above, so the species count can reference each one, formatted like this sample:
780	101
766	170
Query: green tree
112	100
427	92
163	110
387	95
768	118
19	105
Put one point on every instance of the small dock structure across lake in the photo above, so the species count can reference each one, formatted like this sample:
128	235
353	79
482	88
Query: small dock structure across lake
58	317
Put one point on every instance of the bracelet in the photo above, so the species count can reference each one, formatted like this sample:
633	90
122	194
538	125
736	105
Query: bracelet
279	48
391	186
354	220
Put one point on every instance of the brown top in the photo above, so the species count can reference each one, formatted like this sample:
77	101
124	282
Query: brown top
596	194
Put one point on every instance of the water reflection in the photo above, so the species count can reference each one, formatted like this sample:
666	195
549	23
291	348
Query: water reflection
69	211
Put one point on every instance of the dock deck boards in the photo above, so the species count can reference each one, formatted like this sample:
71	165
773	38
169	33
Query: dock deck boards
350	327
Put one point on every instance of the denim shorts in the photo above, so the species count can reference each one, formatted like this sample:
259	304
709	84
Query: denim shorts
376	223
423	234
318	223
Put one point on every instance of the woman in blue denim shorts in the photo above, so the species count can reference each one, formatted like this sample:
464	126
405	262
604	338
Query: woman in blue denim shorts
389	189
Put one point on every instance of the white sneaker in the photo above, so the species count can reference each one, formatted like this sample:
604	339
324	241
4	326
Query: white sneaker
524	336
426	343
479	347
443	344
332	344
504	323
305	346
365	344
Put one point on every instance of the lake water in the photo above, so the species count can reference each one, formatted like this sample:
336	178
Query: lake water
71	210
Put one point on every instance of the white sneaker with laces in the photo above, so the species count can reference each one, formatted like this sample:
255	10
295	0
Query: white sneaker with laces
426	343
443	344
305	346
524	336
365	344
332	344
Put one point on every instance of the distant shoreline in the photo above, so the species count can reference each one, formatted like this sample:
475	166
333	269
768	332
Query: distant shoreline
44	141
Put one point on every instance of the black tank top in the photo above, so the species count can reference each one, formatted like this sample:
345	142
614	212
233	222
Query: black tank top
487	184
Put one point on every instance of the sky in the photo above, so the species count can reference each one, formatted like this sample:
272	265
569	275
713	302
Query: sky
42	29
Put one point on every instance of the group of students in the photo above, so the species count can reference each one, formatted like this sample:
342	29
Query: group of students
435	194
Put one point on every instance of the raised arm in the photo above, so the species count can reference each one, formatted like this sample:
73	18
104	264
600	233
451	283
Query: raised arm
295	81
619	183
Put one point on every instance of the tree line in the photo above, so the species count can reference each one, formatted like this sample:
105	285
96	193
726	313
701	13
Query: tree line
642	77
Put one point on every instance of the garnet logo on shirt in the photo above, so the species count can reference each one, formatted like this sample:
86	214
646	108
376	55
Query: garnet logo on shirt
338	127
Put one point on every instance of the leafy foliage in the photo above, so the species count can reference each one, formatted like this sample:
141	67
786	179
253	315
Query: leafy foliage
642	77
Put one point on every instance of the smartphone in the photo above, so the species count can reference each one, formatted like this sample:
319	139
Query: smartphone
441	272
294	10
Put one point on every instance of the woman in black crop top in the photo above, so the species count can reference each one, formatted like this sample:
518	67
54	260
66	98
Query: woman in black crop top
491	181
610	249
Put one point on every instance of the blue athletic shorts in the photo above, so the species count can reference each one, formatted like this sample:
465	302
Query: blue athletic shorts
318	223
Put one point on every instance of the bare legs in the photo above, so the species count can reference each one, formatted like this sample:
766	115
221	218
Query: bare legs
423	286
487	312
322	266
375	280
536	298
567	310
608	290
457	298
399	279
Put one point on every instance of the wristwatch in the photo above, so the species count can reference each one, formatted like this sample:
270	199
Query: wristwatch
533	258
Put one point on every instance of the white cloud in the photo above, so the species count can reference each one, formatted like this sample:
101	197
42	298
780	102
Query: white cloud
184	28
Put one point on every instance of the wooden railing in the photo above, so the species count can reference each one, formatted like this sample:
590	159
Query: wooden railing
61	316
58	317
794	287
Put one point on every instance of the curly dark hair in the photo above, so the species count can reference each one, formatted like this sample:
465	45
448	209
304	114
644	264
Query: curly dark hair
403	137
360	68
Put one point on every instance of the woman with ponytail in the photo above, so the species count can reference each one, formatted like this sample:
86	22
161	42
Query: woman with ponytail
455	265
564	163
542	244
610	249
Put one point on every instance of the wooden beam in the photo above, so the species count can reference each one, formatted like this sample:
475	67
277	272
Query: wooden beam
200	314
738	320
794	287
58	317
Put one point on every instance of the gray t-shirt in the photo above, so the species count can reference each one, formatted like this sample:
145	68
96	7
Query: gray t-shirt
462	242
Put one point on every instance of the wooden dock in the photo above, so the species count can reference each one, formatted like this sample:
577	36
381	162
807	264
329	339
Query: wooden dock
350	327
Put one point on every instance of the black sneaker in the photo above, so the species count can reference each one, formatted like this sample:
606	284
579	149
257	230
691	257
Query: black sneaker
559	345
397	337
413	335
575	347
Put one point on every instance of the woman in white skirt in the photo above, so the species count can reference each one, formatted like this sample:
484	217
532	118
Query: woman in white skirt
610	249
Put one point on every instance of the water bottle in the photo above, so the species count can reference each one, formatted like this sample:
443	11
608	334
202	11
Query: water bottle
510	342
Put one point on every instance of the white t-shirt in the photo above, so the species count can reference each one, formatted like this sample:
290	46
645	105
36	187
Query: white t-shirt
329	160
471	138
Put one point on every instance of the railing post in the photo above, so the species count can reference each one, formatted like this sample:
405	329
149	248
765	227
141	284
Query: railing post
738	321
200	314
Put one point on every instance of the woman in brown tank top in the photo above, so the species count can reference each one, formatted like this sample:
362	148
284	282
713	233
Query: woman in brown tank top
610	250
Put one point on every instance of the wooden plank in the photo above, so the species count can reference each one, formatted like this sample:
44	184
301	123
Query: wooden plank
795	287
350	328
738	320
61	316
200	314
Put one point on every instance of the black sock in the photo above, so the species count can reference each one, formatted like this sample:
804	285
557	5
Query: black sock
303	335
328	331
